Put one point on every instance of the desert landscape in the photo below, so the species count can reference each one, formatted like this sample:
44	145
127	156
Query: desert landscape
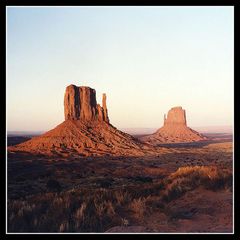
120	119
85	175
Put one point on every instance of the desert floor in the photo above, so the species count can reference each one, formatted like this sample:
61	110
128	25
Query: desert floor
186	188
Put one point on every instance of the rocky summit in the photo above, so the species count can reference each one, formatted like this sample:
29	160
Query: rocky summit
176	117
174	130
86	131
80	104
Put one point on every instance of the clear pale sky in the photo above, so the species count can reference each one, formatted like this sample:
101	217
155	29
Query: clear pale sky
146	59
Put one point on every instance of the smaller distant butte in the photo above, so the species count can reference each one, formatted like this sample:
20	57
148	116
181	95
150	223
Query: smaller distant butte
174	130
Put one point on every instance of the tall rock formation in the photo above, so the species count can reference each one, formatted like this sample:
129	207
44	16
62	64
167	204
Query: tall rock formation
176	116
174	130
80	104
104	105
86	131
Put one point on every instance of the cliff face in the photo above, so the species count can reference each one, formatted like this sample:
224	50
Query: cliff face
174	130
80	104
176	116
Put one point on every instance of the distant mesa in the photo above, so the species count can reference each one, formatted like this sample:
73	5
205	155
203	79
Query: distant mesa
174	130
176	117
86	131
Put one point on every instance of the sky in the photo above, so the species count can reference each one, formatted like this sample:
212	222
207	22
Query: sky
146	59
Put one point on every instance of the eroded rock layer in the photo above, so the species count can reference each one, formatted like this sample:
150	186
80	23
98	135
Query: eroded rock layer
80	104
76	137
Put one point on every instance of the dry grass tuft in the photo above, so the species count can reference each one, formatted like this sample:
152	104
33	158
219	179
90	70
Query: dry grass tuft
188	178
96	210
138	206
122	197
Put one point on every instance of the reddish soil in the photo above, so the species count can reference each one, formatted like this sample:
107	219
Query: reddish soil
74	137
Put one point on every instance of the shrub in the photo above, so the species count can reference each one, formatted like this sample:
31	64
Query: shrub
122	197
138	206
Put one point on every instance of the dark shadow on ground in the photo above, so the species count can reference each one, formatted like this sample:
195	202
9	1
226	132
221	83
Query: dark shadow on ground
193	144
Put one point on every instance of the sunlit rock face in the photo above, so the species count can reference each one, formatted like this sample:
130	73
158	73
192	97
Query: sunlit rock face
80	104
174	130
175	116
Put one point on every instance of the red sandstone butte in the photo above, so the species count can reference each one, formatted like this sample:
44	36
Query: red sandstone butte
86	131
80	104
174	130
